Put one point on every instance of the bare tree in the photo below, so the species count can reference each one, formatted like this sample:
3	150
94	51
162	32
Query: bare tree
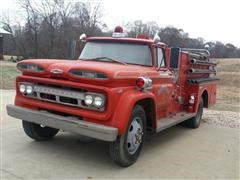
52	28
139	27
14	43
32	24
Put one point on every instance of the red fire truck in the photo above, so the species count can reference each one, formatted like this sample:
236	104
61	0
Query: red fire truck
118	90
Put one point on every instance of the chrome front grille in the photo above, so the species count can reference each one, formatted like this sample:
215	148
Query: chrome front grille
58	92
60	95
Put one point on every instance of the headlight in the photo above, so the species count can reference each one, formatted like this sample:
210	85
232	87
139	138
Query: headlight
30	67
94	100
29	89
22	88
26	88
98	101
88	99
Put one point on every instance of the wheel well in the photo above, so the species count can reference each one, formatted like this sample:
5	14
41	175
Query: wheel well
149	108
205	98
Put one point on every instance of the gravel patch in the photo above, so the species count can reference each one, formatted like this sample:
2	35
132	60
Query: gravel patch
222	118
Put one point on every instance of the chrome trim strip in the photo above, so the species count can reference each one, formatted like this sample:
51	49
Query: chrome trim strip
58	92
170	121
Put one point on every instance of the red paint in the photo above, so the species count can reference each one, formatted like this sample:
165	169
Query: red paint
142	36
190	109
120	87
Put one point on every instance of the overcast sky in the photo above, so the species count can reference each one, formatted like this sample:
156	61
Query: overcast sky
209	19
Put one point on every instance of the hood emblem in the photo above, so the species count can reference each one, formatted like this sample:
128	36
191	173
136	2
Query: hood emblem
56	71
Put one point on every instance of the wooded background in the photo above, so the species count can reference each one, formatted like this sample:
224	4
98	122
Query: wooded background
52	29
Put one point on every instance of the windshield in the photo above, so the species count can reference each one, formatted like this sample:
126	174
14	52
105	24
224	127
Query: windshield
117	52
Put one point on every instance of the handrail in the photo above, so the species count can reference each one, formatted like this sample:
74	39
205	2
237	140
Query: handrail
197	51
201	71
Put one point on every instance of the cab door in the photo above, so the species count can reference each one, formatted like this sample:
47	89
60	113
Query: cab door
164	85
179	79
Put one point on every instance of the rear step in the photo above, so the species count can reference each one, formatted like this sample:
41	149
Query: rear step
172	120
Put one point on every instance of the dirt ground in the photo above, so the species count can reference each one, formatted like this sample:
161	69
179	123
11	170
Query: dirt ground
209	152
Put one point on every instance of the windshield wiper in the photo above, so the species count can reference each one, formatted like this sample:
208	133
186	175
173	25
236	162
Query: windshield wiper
110	59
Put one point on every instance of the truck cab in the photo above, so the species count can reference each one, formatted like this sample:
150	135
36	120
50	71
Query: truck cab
118	90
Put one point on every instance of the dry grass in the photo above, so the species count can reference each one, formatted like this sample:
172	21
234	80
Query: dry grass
229	71
8	74
228	91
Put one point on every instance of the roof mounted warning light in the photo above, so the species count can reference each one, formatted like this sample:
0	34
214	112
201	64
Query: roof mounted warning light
118	32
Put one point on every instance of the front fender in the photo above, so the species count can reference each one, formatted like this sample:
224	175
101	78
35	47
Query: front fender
125	105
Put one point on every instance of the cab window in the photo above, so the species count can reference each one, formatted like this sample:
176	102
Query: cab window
130	53
160	58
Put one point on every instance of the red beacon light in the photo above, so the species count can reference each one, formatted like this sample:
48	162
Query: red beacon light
143	83
118	29
118	32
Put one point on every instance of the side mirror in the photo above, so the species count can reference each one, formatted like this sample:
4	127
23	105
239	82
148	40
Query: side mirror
174	57
83	37
156	38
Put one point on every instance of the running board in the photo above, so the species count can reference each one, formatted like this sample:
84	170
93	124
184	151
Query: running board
172	120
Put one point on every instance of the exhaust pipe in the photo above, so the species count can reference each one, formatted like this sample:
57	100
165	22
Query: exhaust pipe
199	51
195	61
201	71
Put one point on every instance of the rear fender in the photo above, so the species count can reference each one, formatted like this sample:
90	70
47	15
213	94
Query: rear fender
125	106
205	93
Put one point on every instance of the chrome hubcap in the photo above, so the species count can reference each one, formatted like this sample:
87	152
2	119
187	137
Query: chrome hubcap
134	138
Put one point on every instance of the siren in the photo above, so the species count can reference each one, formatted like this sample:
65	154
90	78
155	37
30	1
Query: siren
118	32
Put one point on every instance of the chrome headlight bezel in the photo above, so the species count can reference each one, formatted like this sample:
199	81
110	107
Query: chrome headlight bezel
96	101
22	88
88	99
29	89
95	97
26	85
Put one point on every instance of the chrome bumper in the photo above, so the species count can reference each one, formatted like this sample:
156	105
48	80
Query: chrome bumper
93	130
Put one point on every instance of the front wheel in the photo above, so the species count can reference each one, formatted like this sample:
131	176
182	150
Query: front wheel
126	149
195	121
38	132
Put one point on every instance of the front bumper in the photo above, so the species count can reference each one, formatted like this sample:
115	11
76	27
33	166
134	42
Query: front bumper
93	130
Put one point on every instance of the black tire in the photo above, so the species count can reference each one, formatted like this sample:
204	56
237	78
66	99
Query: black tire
196	121
37	132
120	149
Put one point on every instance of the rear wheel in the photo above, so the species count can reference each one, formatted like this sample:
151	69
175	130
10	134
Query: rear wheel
126	149
38	132
194	122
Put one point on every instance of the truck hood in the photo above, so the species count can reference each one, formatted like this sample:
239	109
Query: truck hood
116	73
